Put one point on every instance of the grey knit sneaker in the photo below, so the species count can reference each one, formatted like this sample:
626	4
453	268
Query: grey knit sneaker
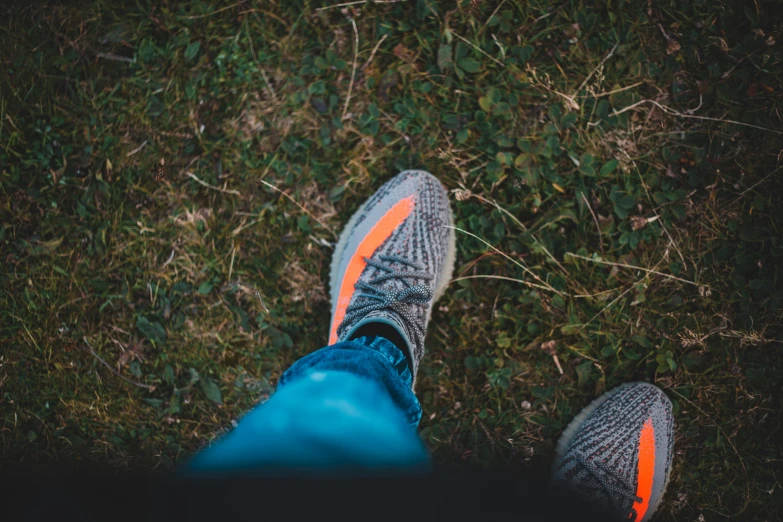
393	261
618	451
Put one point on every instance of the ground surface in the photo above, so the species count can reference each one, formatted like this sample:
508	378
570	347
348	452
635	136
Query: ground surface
173	176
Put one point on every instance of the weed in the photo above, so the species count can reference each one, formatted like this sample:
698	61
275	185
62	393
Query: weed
173	177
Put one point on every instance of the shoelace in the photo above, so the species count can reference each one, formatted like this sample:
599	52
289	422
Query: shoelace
373	297
602	476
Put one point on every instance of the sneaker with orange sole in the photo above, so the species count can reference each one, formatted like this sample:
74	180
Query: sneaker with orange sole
393	260
617	452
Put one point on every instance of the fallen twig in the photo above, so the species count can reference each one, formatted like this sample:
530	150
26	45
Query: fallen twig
522	226
670	111
762	180
292	200
225	191
216	11
611	53
552	258
374	50
346	4
166	263
134	151
115	57
633	267
597	225
353	72
490	17
479	49
613	91
520	265
269	88
115	372
489	276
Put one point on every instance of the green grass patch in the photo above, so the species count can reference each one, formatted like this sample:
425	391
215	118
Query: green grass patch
172	177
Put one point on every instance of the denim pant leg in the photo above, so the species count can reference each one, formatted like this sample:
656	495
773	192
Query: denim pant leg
346	406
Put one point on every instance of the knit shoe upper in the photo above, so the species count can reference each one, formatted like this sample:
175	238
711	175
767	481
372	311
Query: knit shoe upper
393	260
618	451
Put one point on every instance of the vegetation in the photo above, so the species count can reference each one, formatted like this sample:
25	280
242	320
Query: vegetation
174	174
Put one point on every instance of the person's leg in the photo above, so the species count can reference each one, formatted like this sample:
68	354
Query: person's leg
349	405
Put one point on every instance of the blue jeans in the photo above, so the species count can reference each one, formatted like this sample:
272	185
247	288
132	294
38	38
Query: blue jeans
348	406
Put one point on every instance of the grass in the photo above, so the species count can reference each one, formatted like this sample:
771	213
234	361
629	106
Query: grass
174	174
